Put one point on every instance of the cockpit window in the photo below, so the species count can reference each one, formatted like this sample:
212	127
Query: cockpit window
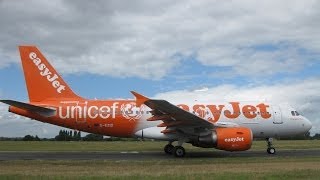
295	113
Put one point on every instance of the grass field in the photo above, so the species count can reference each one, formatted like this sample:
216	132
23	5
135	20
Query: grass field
270	167
134	145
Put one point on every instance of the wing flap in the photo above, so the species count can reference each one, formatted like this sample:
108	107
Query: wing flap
29	107
177	113
174	118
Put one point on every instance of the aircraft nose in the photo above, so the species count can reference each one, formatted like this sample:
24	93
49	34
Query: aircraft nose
307	124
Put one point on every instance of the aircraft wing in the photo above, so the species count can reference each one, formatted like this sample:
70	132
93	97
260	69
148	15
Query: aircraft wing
29	107
174	118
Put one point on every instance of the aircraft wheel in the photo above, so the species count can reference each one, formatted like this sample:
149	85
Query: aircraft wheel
179	151
168	149
271	150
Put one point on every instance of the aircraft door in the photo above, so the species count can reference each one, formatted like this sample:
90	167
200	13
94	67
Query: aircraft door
277	117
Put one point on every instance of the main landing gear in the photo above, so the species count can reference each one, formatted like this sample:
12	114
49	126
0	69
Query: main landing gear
168	149
271	149
177	151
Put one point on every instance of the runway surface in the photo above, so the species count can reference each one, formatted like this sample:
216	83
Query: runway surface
134	155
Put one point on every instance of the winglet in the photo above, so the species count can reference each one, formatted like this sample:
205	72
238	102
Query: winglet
140	99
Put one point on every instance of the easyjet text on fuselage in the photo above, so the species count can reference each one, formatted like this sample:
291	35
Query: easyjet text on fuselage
210	112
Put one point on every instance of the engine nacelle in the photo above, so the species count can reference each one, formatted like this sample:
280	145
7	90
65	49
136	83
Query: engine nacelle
229	139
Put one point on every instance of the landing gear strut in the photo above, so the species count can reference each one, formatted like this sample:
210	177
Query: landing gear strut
271	149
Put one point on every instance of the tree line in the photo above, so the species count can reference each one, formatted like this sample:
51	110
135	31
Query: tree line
69	135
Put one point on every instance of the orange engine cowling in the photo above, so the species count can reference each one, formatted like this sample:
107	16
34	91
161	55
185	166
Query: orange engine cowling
229	139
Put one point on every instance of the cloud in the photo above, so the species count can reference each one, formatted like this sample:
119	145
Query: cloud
302	95
141	38
254	62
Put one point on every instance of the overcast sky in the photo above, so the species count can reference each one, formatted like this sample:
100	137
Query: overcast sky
203	49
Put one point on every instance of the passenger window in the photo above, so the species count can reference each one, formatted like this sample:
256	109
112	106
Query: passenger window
292	112
297	114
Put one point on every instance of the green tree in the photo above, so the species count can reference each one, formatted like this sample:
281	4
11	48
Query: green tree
62	136
93	137
316	136
28	138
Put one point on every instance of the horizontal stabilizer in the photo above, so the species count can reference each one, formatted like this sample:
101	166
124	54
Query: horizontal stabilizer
29	107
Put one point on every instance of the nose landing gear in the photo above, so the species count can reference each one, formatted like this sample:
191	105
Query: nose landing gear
270	149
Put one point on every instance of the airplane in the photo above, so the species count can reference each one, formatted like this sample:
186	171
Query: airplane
229	126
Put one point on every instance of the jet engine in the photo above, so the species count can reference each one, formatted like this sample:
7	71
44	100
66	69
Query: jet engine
229	139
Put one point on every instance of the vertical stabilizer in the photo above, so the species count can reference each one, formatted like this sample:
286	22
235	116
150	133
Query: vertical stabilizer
42	80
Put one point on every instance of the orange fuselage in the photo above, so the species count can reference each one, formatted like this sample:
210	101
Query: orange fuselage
114	118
